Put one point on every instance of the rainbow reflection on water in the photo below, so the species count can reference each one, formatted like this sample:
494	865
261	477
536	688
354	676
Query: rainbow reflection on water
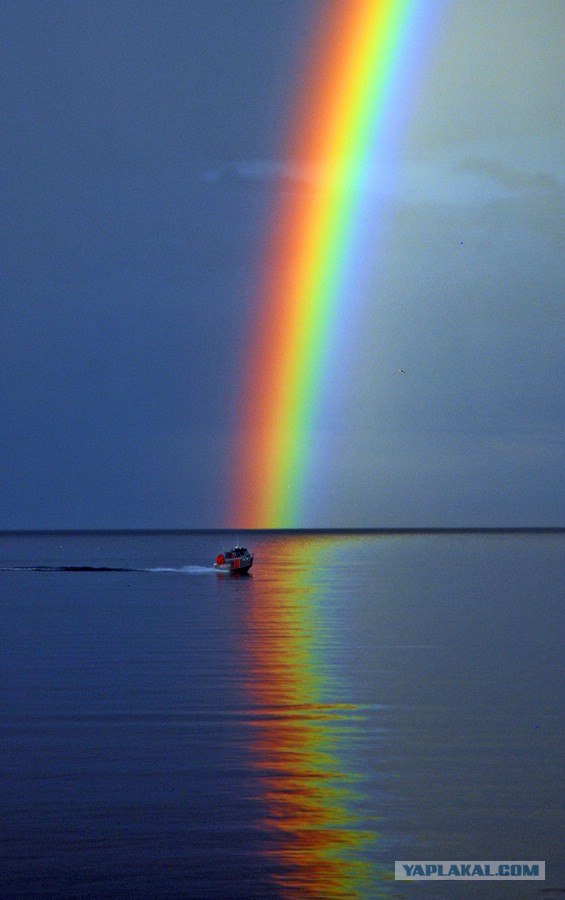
318	816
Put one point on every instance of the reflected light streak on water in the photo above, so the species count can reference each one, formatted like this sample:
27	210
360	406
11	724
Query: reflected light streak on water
320	838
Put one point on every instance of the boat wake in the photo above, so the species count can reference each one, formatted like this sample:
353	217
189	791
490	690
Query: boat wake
190	570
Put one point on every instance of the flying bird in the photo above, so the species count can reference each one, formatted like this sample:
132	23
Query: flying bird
401	371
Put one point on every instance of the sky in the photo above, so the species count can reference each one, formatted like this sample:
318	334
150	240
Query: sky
142	154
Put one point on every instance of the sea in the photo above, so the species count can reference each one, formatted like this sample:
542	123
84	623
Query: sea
361	698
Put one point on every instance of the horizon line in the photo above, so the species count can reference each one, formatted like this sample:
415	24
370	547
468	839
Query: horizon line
439	529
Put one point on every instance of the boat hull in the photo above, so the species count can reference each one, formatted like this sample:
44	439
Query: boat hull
238	566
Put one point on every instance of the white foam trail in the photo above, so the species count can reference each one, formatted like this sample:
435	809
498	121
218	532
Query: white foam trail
194	570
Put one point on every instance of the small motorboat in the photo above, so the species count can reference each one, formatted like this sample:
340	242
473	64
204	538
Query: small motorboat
238	560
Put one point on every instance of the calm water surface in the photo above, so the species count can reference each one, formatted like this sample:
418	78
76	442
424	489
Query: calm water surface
170	732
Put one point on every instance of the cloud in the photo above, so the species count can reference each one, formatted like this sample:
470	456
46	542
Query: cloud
377	178
466	175
475	173
258	170
510	178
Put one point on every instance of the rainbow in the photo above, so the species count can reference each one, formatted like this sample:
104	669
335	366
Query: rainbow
349	115
315	805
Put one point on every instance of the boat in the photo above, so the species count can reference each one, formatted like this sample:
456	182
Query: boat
238	561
